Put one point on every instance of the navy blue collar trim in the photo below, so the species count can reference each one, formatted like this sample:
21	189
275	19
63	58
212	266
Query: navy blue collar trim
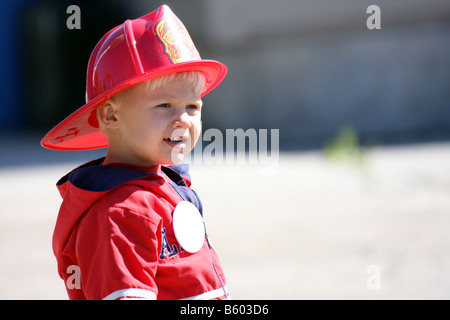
95	177
179	185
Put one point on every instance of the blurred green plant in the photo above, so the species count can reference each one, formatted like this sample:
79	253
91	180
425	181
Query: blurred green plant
345	147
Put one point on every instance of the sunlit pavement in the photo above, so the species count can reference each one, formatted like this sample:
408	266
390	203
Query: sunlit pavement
312	229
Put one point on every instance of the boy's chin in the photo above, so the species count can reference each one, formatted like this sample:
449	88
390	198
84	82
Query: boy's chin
175	158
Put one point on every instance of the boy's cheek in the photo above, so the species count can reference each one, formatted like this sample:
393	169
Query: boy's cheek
196	133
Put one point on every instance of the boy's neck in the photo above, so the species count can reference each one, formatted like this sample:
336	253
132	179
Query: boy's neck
149	169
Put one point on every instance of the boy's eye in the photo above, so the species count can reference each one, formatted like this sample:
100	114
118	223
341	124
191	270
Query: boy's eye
193	107
164	105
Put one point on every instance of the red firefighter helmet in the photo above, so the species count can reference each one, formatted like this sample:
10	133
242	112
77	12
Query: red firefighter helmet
149	47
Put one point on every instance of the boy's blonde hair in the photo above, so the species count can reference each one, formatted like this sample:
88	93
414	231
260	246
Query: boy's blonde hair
195	79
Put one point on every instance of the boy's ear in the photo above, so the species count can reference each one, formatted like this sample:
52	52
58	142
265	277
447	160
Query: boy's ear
106	115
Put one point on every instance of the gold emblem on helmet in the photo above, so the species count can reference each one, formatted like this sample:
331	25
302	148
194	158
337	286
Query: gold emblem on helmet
178	45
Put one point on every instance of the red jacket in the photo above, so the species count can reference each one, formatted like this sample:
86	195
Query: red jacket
114	238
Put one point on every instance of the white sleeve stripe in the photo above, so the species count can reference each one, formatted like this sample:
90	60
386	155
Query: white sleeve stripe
131	292
210	294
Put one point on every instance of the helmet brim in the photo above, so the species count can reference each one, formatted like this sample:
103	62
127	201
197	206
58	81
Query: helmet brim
80	130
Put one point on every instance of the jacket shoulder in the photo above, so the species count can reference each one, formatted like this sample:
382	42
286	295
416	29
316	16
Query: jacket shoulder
133	198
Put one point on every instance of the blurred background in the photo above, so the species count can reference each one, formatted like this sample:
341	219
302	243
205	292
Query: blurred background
364	120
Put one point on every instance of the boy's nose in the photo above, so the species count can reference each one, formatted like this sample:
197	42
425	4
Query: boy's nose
182	121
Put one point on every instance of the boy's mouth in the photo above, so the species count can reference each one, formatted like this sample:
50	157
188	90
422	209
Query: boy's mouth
176	142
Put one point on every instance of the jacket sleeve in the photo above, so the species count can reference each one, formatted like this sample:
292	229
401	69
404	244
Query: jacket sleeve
118	246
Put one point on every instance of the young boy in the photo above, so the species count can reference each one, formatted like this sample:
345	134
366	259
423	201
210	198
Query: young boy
129	225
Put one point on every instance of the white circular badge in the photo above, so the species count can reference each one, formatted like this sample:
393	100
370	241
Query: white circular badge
188	226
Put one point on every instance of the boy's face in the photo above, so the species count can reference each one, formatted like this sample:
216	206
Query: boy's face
159	126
